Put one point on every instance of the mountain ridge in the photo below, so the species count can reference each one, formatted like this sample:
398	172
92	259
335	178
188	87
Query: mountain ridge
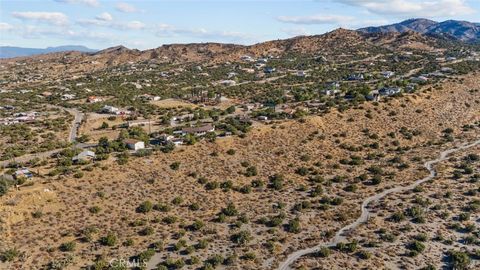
461	30
13	51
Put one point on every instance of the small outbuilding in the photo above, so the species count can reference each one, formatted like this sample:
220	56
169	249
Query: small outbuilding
134	144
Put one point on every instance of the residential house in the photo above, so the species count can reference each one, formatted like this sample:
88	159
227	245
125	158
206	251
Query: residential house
134	144
419	79
94	99
228	82
356	77
136	123
269	70
148	97
301	73
110	109
84	156
447	69
68	96
199	131
411	87
262	61
373	96
177	141
389	91
330	92
262	118
247	58
388	74
23	173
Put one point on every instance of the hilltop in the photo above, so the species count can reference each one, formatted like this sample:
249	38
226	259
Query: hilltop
336	45
458	30
10	51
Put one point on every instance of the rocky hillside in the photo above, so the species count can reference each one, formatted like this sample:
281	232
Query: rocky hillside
460	30
9	52
338	45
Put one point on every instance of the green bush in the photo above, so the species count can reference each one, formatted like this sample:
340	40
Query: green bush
109	240
67	247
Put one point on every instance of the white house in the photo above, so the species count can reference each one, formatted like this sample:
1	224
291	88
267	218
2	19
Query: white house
388	74
301	73
199	131
23	173
68	96
84	156
110	109
262	118
228	82
419	79
134	144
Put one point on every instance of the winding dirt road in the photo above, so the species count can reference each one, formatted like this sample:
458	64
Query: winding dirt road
340	235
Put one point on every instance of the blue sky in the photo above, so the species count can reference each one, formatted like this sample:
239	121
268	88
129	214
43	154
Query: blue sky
147	24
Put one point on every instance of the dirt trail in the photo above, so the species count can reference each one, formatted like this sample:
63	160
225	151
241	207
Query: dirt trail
340	235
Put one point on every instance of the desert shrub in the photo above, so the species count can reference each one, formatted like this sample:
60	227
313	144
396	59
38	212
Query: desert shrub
323	252
212	185
147	231
415	248
458	259
251	171
177	200
162	207
145	255
293	226
145	207
230	210
175	165
9	255
128	242
68	246
227	185
94	209
197	225
109	240
37	214
241	238
257	183
397	217
364	254
276	181
169	219
194	206
215	260
249	256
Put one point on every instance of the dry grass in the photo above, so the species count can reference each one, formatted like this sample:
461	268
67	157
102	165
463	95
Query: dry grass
278	148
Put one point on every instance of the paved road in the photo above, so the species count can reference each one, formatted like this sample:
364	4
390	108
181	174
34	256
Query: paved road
340	235
78	117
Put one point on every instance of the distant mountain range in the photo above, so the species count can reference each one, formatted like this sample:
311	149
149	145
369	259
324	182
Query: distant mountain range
9	52
459	30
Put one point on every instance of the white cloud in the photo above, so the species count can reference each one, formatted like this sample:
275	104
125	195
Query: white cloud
5	26
134	25
413	8
56	18
297	31
91	3
131	25
36	32
316	19
105	16
127	8
166	30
